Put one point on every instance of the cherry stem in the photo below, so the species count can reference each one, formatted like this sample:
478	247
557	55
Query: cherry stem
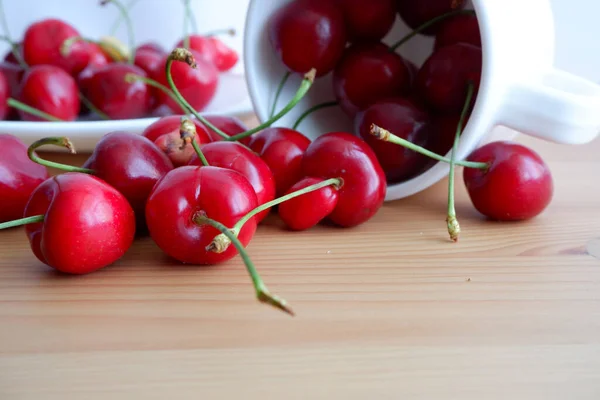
22	221
262	292
429	24
187	130
117	23
452	221
92	107
385	135
56	141
188	19
131	77
278	93
313	109
14	49
130	35
221	242
33	111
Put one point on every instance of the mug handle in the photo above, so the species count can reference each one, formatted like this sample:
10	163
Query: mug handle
558	106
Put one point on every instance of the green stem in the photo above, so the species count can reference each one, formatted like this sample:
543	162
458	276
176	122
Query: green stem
130	34
278	93
313	109
33	111
92	107
191	16
262	292
117	23
14	47
221	242
186	23
187	130
385	135
56	141
22	221
131	77
429	24
452	221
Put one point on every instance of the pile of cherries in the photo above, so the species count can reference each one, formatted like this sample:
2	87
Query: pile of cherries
54	73
200	185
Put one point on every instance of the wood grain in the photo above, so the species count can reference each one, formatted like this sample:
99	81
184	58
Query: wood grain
388	310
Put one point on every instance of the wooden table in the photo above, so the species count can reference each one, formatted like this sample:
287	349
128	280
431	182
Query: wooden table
389	310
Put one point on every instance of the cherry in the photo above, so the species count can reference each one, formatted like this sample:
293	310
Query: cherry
78	224
151	46
4	95
282	149
111	93
233	155
515	185
407	121
166	134
213	50
225	57
304	212
343	155
462	28
19	176
148	60
443	78
367	73
308	34
197	85
368	19
219	193
417	13
51	90
230	125
42	43
98	56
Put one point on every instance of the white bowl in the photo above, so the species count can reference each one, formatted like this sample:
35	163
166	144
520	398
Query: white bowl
158	21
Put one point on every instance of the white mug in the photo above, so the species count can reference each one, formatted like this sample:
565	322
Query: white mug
520	89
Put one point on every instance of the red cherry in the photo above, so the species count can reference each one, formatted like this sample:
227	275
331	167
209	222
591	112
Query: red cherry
367	73
165	133
222	194
343	155
517	184
416	13
201	46
132	164
225	57
42	44
307	210
98	57
406	120
229	125
87	223
107	89
19	176
368	19
151	46
443	79
49	89
14	75
232	155
282	149
4	95
149	60
458	29
197	85
308	34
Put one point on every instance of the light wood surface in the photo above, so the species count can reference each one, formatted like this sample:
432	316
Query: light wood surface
389	310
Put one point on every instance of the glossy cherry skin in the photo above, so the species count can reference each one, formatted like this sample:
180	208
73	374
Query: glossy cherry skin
343	155
458	29
19	176
49	89
307	210
166	134
107	89
229	125
213	50
132	164
405	119
443	79
87	223
197	85
232	155
282	149
149	60
42	44
369	72
308	34
516	186
416	13
368	19
221	194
